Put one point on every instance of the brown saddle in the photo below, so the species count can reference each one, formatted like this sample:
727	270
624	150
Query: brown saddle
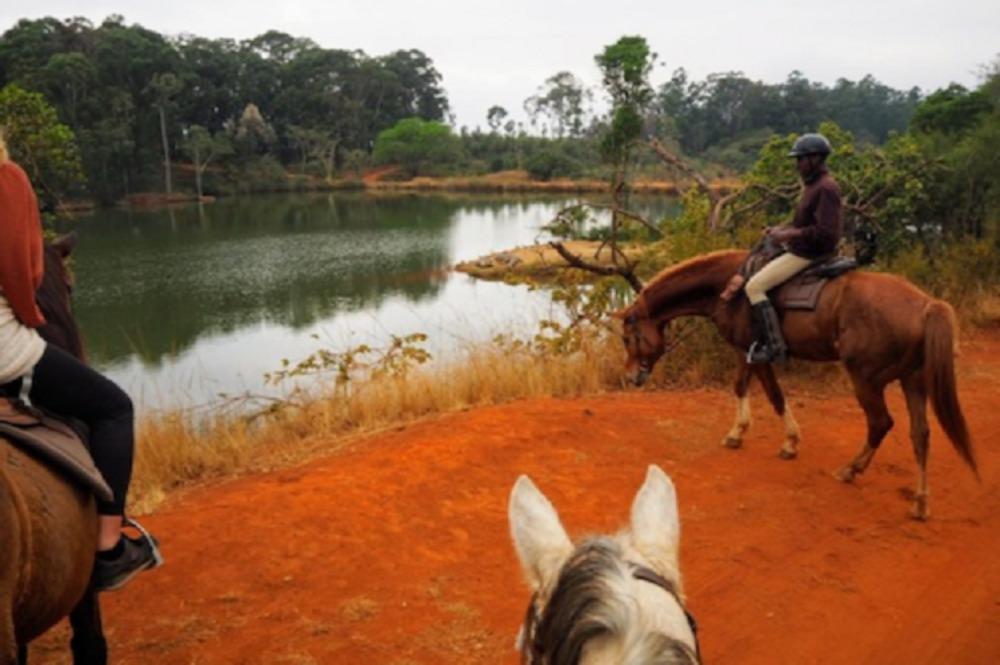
54	442
803	290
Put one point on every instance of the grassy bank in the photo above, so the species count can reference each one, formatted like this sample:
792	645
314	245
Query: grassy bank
520	182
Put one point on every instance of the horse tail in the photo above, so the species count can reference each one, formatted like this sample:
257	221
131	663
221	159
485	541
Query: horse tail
939	374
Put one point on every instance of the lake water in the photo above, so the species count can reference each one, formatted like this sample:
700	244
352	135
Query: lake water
182	305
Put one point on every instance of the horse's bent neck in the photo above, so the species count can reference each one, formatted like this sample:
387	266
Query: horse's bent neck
690	288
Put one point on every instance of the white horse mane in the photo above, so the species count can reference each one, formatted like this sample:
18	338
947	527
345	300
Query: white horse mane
590	605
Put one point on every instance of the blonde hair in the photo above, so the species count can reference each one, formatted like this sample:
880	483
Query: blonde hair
4	156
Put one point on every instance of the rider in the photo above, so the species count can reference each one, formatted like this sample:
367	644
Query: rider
57	381
814	232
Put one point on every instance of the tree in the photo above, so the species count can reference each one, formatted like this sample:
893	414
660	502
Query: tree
162	89
625	67
37	140
252	133
201	146
561	101
495	117
317	144
950	110
418	146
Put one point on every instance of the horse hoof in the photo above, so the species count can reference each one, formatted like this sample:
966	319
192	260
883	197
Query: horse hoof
787	454
845	475
733	442
919	511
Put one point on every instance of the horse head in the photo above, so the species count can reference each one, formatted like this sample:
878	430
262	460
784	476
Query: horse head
607	599
54	298
645	341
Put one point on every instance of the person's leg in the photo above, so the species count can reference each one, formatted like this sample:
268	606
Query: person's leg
777	272
769	345
62	384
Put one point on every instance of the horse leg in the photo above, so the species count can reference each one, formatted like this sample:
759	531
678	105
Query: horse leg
22	654
871	396
920	434
735	437
10	650
790	447
88	643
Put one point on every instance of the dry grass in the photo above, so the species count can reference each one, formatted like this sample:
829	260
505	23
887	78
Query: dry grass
177	450
520	181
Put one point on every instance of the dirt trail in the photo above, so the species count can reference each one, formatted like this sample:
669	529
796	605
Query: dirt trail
396	550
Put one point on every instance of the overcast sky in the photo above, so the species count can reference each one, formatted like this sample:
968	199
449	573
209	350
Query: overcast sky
499	52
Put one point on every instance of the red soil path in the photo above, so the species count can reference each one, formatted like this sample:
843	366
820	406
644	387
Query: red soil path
397	550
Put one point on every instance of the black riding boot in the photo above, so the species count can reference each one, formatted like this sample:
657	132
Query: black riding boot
769	344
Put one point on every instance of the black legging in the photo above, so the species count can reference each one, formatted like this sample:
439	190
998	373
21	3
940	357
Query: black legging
65	386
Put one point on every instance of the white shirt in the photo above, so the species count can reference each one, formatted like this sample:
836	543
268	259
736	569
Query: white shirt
21	347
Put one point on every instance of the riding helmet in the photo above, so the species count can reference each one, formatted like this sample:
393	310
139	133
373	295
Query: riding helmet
810	144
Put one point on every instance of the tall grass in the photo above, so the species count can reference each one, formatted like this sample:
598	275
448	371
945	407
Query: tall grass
177	449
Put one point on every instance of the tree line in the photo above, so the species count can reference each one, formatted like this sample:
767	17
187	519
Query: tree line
127	93
128	102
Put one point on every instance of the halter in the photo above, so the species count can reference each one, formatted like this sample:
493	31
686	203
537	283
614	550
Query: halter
532	651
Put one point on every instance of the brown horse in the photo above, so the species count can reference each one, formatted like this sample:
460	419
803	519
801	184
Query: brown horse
48	526
881	327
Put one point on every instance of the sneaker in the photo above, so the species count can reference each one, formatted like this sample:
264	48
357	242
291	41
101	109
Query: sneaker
138	554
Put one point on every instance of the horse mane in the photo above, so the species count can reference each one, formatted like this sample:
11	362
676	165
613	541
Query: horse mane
52	297
694	276
586	604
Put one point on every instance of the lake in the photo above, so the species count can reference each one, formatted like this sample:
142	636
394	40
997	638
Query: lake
184	304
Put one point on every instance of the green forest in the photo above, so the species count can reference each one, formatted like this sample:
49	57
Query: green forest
104	111
252	110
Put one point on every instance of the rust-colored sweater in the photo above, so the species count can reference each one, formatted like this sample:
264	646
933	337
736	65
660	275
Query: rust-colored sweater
819	215
21	261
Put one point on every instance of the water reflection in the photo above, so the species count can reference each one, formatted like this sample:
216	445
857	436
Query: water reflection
184	303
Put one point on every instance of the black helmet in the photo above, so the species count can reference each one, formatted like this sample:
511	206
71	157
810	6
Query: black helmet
810	144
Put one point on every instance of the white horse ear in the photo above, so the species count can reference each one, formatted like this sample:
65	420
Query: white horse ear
540	540
656	527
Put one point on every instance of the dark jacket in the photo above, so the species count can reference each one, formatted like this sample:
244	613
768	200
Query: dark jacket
819	213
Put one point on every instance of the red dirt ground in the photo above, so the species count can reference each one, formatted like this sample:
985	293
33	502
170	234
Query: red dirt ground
397	550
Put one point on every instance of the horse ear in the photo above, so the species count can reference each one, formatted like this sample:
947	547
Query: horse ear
539	538
65	244
656	527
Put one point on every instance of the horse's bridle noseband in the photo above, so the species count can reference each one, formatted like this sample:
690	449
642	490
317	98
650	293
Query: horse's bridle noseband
532	651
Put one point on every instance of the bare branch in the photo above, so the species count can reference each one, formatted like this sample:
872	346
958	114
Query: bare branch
684	167
614	210
627	272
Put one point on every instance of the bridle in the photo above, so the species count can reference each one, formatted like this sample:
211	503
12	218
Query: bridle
669	344
532	651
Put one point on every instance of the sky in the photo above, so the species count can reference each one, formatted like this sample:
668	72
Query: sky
500	52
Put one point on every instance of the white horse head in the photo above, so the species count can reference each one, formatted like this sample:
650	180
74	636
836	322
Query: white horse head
607	599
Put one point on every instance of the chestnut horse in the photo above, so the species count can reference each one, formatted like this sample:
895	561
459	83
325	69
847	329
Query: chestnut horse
880	326
48	526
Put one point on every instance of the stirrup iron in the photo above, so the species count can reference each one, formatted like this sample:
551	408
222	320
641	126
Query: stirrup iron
154	545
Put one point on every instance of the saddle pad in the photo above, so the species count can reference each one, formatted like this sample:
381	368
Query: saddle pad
54	442
800	292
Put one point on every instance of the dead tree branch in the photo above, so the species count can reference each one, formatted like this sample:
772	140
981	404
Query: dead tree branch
627	271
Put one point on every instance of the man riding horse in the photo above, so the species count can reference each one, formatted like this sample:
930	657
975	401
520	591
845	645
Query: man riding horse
814	232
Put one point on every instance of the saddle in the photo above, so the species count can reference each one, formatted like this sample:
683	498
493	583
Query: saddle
803	290
52	441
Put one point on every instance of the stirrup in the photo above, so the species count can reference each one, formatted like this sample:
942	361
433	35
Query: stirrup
761	353
154	545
